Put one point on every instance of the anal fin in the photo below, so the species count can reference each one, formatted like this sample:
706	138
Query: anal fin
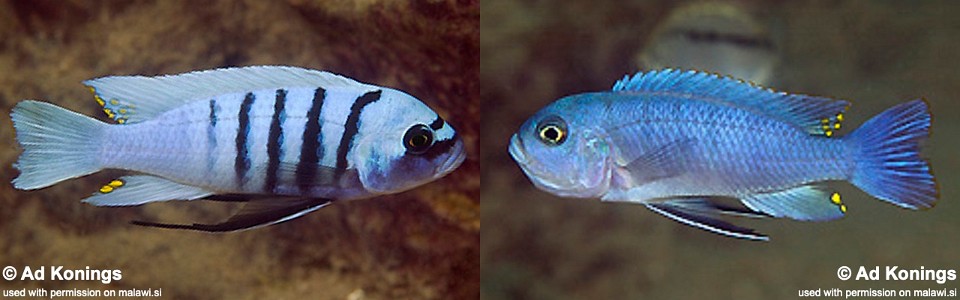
140	189
257	212
804	203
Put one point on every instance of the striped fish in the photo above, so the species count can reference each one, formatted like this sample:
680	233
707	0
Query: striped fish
285	140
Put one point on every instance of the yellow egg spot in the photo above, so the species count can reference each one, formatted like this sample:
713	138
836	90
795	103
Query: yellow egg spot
92	90
835	198
116	183
114	102
825	121
836	126
840	117
123	111
121	121
829	133
106	189
843	208
99	101
825	127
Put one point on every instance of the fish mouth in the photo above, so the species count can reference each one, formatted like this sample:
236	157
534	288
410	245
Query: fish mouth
516	150
546	180
459	154
528	166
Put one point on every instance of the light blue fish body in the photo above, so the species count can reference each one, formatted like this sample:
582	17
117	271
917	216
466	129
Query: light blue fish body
285	139
682	142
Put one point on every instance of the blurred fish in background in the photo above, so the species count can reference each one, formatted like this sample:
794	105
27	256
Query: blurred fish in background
717	37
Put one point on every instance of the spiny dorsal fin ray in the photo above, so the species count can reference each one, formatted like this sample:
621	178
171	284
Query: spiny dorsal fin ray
816	115
131	99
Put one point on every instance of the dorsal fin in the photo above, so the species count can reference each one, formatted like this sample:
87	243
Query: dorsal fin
131	99
816	115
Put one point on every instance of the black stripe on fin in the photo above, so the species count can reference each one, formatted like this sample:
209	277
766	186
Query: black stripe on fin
310	150
715	207
274	141
350	128
706	223
230	197
256	213
242	163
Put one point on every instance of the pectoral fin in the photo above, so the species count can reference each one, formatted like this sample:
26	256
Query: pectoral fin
255	213
688	216
664	161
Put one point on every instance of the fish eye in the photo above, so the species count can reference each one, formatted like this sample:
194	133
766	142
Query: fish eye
552	131
418	139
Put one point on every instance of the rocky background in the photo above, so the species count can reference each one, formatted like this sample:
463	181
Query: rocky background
875	54
421	244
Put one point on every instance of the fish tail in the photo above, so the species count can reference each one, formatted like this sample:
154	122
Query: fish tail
58	144
887	158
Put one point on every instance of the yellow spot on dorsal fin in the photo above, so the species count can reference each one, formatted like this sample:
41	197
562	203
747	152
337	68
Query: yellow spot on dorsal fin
114	102
840	117
828	133
99	101
92	90
825	127
836	126
843	208
122	111
825	121
121	120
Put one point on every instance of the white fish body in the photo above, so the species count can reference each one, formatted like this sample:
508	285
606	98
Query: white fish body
288	139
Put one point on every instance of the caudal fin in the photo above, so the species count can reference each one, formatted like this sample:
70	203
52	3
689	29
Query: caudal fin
888	163
58	144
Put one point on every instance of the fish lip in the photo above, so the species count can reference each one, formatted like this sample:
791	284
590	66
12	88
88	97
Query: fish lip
516	150
453	161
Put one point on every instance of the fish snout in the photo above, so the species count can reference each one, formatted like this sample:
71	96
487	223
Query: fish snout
457	155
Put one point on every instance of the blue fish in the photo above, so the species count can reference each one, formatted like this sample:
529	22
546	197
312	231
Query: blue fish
285	140
691	146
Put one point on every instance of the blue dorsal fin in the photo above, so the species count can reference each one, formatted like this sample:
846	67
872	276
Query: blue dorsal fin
131	99
816	115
